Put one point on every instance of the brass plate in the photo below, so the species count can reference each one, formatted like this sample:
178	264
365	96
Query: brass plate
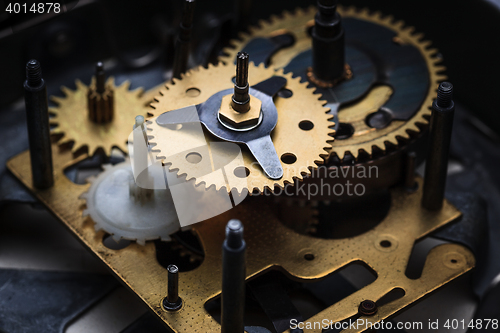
270	246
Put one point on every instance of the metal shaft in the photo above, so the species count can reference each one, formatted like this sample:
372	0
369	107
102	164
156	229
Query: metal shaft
410	162
172	302
100	78
37	114
242	14
328	58
436	167
100	99
173	284
233	279
183	41
241	98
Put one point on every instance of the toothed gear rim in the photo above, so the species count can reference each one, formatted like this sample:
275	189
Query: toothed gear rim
114	210
310	147
71	120
369	140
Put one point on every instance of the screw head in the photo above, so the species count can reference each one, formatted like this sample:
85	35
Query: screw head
367	308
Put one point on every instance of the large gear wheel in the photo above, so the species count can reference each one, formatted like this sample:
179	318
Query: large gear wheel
304	146
113	203
73	124
363	138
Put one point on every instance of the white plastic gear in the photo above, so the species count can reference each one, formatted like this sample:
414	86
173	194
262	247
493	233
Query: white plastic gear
114	210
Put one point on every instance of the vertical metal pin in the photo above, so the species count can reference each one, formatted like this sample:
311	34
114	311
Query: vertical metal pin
100	77
242	15
37	114
100	98
410	161
241	98
172	302
441	125
183	41
328	51
233	279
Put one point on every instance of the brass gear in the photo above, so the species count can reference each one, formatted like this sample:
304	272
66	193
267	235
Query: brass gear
73	124
310	147
364	138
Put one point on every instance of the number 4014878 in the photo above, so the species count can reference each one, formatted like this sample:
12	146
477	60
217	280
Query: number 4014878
37	8
473	323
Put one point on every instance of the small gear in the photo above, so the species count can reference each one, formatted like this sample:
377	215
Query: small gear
301	137
113	204
361	137
73	124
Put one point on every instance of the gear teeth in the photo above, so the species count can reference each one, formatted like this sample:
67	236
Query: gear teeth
56	100
85	213
116	238
125	85
56	130
399	24
111	81
377	15
287	15
141	241
79	84
413	128
364	12
90	179
65	142
347	11
433	52
440	69
274	18
166	239
441	78
410	30
426	44
67	92
388	19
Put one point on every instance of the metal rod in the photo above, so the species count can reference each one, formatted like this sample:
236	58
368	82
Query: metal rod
173	284
233	279
241	98
37	114
410	162
183	41
172	302
242	15
100	99
436	167
100	77
328	58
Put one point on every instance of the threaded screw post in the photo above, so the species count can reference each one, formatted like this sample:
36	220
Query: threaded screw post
33	73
